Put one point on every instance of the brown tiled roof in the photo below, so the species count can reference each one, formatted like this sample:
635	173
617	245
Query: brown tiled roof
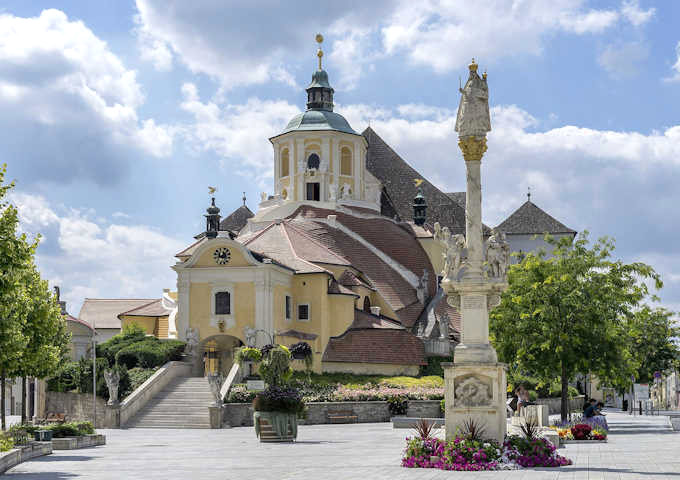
376	345
349	279
529	219
187	252
443	309
103	312
70	318
237	219
397	178
364	319
154	308
458	197
298	334
275	243
338	289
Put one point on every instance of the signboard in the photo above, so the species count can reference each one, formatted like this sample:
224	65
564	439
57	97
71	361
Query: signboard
256	385
641	392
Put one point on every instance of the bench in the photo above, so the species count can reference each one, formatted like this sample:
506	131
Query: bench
55	418
342	416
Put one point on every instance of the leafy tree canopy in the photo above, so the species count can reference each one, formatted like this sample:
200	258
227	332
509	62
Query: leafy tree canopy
568	313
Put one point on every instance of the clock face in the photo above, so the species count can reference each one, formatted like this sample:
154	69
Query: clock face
222	255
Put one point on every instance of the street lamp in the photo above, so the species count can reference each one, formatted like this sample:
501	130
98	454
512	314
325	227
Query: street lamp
94	374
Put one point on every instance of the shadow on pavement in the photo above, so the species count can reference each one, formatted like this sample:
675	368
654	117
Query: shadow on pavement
62	458
41	475
620	470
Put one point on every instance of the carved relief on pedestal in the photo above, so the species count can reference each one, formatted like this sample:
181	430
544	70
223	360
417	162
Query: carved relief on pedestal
473	390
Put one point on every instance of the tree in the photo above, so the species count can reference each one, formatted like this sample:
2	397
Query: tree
568	313
652	333
15	254
44	329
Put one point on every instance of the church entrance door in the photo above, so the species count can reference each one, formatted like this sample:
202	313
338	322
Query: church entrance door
216	355
313	191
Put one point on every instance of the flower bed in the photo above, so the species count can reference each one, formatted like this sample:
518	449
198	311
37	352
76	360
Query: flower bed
582	429
465	454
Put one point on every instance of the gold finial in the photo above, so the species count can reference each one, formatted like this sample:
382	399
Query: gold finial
212	190
418	181
473	66
484	75
319	53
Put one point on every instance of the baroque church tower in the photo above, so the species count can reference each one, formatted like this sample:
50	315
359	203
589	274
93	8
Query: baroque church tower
319	157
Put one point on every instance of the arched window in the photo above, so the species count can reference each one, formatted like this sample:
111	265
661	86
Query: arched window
345	161
222	303
285	169
367	304
313	161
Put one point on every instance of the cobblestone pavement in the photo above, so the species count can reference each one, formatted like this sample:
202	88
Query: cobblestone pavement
638	448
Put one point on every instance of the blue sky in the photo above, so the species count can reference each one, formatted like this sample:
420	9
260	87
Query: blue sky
116	116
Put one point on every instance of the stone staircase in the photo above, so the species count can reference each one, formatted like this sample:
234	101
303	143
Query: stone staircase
183	403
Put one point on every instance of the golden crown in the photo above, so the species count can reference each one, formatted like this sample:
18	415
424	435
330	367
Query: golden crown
473	66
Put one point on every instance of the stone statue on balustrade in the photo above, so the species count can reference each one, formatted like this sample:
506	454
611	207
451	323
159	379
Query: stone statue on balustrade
191	347
112	379
215	381
497	255
473	117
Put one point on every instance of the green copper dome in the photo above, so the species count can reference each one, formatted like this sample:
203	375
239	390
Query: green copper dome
319	120
320	79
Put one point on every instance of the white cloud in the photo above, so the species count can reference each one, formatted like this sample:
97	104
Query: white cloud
237	133
68	105
89	258
622	60
444	36
675	76
634	14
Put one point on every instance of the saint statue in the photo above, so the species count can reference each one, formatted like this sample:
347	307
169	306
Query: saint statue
473	117
497	254
112	379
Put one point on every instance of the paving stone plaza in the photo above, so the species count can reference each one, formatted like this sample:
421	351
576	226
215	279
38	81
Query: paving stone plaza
638	448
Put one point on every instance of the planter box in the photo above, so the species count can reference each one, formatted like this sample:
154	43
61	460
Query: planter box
584	441
15	456
275	426
85	441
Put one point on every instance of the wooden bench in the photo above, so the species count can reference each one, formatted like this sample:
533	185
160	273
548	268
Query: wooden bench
55	418
342	416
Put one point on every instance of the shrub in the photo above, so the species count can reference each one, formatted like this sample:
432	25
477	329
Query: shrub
442	405
146	354
279	399
66	378
275	367
71	429
247	354
6	443
239	394
84	428
424	428
398	405
137	377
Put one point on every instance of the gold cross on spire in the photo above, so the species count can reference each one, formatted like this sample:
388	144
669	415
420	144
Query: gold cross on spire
319	53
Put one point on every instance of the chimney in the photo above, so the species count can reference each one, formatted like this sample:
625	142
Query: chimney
375	311
61	303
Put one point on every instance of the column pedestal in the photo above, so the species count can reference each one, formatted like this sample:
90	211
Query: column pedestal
475	391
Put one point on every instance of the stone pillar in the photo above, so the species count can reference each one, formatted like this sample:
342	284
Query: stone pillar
475	383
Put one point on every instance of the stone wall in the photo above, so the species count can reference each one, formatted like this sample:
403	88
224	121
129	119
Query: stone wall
21	454
241	414
78	407
555	404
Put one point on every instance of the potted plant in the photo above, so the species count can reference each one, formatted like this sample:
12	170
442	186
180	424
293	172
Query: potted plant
246	357
276	409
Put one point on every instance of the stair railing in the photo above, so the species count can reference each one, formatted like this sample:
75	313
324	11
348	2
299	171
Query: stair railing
231	378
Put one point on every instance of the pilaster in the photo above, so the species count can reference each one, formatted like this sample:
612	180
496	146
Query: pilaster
183	295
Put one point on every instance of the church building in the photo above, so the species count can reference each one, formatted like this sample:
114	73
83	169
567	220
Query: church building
342	255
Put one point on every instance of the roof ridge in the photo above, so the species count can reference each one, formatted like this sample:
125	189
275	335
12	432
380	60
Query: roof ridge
559	227
258	234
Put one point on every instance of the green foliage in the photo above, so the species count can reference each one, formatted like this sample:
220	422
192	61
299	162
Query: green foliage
112	346
442	405
137	377
567	314
66	378
351	380
6	442
653	335
71	429
275	367
398	405
133	329
247	354
434	366
141	354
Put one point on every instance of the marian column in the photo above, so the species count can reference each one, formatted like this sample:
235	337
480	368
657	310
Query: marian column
474	277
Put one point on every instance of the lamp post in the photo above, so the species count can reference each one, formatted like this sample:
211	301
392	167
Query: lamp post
94	374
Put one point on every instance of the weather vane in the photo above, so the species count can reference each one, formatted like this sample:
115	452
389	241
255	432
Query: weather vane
418	181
